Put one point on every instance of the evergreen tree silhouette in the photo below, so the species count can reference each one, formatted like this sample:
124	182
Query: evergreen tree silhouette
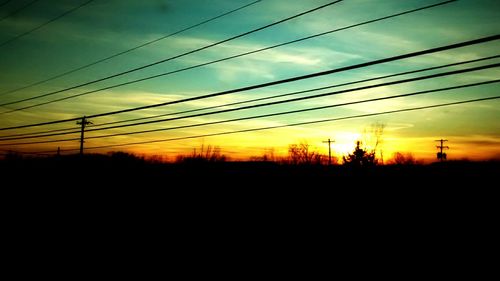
360	157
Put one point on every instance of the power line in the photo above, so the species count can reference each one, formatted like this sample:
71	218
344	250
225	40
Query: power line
176	56
36	133
17	10
40	142
205	64
228	58
129	50
260	116
4	3
45	23
72	129
288	125
299	110
306	109
296	92
41	124
307	76
10	151
282	101
311	97
276	82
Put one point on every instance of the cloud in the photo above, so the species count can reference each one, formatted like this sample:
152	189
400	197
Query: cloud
478	140
262	64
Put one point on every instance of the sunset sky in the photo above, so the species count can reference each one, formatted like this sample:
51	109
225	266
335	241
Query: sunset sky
102	28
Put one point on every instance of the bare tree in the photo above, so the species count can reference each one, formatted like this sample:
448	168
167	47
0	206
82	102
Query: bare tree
269	155
207	153
373	139
303	154
403	159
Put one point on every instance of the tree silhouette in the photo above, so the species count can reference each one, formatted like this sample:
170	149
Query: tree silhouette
373	139
360	157
302	154
205	154
403	159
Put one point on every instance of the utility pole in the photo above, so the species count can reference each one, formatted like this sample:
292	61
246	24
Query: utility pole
440	155
83	124
329	151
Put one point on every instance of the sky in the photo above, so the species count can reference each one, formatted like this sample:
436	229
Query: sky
103	28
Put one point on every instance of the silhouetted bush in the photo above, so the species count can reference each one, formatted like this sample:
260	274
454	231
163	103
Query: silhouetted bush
360	158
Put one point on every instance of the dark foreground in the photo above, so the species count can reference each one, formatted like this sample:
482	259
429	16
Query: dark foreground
102	191
126	170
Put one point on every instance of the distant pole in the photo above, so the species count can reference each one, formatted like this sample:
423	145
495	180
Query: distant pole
440	155
58	151
83	124
329	151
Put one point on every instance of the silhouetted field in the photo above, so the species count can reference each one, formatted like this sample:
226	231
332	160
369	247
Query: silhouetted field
122	169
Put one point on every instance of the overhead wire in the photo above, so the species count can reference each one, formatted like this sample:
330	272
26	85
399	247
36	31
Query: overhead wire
206	63
16	11
285	125
276	82
258	99
74	130
295	92
168	59
34	134
45	23
256	116
129	50
14	152
298	110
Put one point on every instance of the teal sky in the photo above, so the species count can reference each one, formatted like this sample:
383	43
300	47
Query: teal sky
105	27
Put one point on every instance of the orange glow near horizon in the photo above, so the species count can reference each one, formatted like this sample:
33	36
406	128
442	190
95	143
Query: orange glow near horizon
422	149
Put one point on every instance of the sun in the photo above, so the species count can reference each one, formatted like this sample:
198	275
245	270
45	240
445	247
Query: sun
345	142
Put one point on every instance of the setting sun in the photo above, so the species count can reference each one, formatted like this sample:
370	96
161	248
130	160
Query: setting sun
345	142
